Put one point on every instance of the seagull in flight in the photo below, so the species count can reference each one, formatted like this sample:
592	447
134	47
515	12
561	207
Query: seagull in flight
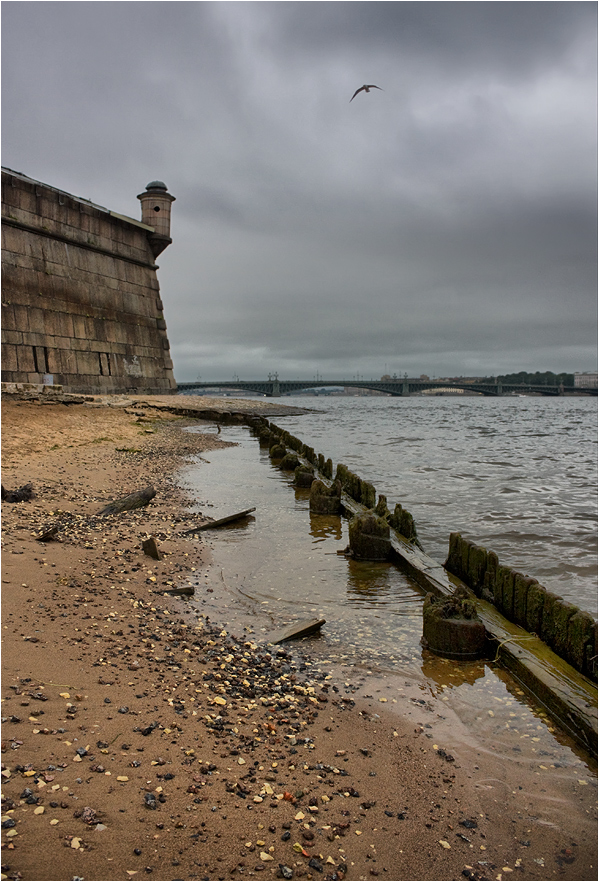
364	89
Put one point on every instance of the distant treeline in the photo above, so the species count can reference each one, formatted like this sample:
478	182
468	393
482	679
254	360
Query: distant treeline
540	378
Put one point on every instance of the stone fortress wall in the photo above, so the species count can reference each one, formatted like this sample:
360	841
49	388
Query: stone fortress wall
81	303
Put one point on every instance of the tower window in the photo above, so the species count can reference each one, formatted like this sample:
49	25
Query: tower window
156	208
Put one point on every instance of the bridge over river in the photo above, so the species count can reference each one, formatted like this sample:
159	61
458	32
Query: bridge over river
273	388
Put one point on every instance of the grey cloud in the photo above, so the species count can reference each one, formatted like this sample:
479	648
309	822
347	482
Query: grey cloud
450	218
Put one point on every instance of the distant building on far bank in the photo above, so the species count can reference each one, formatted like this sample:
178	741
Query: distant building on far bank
81	303
585	380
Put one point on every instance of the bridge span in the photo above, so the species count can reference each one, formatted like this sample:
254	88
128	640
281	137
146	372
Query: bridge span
274	388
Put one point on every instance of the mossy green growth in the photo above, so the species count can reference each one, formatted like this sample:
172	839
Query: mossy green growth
535	601
289	463
505	591
477	565
522	585
325	500
266	438
590	657
369	537
309	454
452	564
304	476
451	627
277	451
547	633
465	546
580	638
328	469
491	573
367	494
563	612
341	475
382	510
407	528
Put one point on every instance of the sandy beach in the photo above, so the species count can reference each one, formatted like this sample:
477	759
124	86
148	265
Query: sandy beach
140	741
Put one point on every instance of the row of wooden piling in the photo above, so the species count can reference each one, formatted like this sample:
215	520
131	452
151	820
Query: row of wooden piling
568	630
565	628
363	492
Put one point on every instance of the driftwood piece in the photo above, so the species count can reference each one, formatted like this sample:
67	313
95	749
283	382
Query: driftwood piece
23	494
127	503
293	632
185	591
221	521
150	547
48	535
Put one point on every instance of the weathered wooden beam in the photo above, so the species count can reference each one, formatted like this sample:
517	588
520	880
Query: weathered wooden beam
293	632
132	501
220	522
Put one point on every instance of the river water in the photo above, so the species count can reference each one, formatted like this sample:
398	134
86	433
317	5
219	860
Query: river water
285	564
517	475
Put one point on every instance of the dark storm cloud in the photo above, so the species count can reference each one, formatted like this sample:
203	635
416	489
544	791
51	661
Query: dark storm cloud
444	225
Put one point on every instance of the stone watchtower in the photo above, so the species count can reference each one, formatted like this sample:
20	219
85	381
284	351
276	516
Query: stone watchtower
81	305
156	212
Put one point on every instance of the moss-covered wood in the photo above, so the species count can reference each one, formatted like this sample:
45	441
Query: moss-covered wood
304	476
451	627
289	463
369	537
325	500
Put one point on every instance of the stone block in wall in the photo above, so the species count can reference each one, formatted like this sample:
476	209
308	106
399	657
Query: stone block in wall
563	612
14	338
9	357
580	637
21	319
477	565
25	361
522	586
88	363
79	327
68	362
535	601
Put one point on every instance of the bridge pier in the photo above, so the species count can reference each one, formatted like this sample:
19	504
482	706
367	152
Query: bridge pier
276	389
405	389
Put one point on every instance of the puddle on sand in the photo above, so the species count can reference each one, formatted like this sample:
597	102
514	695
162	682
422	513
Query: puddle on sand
283	564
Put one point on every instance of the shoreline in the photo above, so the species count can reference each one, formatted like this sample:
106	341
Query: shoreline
86	615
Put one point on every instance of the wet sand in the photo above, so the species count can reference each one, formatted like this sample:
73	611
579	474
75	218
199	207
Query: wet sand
139	741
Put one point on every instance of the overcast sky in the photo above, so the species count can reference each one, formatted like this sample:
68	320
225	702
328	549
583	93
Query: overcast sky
446	224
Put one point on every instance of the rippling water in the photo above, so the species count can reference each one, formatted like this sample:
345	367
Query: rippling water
283	564
517	475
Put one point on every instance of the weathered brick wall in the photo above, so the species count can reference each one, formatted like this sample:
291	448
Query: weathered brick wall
80	296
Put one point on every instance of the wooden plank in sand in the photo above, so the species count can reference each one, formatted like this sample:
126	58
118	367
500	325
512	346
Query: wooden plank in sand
293	632
221	521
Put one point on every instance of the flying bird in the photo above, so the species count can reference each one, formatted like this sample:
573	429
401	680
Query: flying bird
364	89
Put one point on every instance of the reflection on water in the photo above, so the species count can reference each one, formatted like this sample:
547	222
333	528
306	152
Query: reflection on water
286	564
